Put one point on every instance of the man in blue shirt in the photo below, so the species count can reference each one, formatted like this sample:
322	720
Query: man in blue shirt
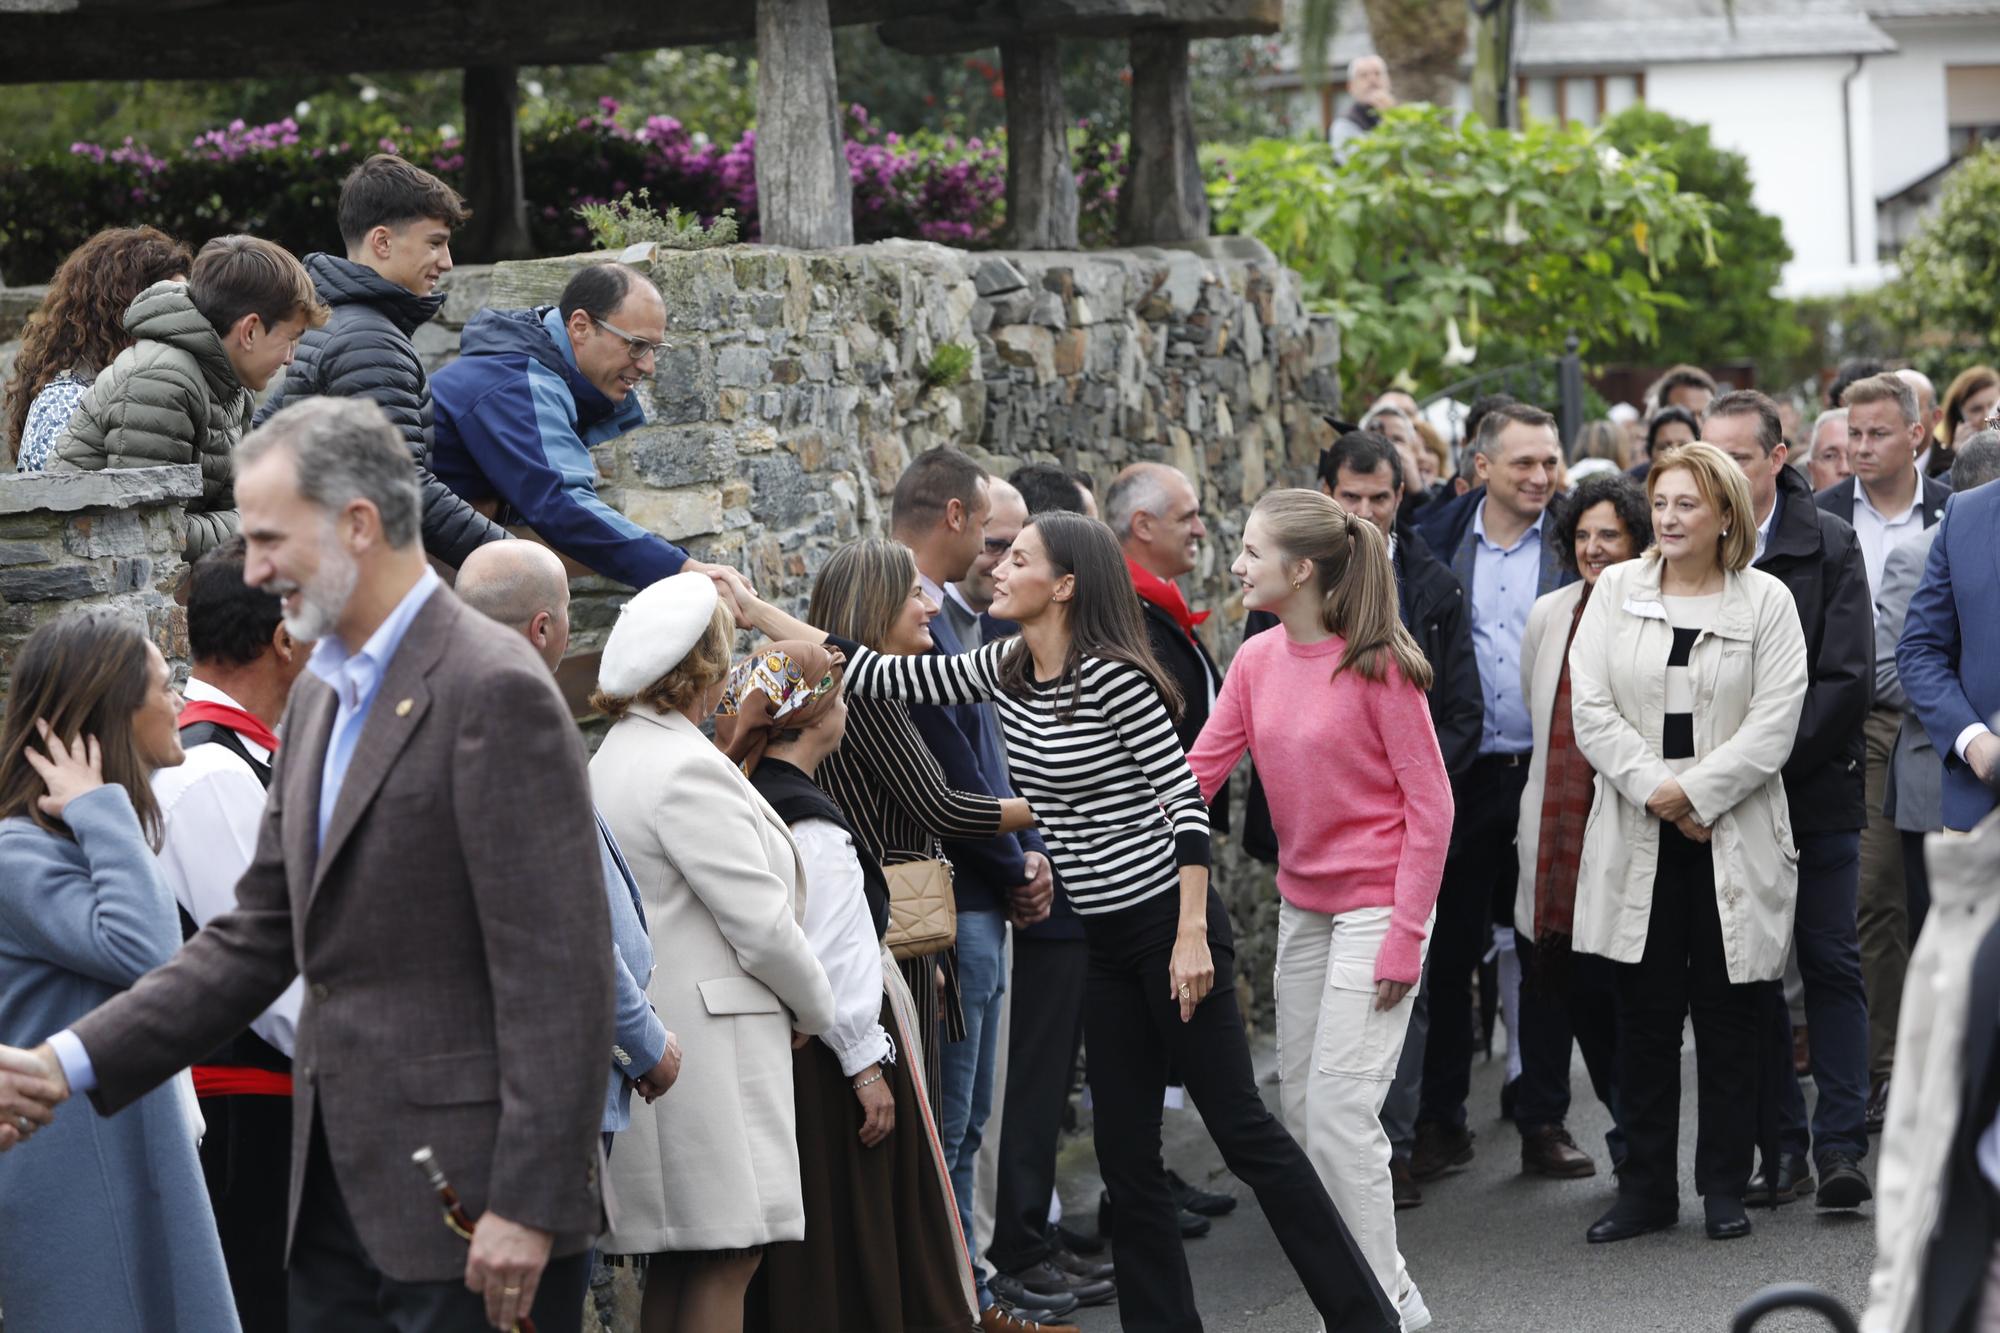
532	392
1493	539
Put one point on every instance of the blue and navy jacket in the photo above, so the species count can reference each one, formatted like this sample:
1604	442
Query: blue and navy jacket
515	421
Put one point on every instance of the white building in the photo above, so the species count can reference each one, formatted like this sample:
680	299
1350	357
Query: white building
1849	111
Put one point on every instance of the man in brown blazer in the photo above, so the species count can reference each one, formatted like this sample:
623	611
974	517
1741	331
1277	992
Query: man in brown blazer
427	862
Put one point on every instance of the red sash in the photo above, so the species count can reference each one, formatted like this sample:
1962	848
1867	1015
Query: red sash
243	724
239	1081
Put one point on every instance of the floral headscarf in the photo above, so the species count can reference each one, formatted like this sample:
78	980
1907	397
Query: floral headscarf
785	686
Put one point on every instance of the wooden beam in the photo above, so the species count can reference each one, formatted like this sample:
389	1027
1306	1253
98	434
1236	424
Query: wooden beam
970	27
805	197
1164	198
498	228
1041	179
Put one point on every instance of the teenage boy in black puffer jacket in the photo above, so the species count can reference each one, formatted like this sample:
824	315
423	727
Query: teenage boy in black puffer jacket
396	221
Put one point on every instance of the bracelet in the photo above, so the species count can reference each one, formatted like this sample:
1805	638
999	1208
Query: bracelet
868	1082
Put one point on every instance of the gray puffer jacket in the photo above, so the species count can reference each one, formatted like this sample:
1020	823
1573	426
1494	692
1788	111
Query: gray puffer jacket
172	397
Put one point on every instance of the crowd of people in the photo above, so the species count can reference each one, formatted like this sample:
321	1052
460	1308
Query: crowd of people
782	995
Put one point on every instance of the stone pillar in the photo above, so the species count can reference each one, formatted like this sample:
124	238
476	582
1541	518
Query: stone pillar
1041	180
110	538
804	195
1163	198
499	225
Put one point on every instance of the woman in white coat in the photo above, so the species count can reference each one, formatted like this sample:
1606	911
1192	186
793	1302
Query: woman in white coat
1687	676
709	1174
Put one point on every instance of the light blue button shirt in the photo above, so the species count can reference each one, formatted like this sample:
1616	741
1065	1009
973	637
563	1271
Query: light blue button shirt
1505	583
355	677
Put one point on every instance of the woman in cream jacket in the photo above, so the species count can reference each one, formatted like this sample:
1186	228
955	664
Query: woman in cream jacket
710	1173
1688	674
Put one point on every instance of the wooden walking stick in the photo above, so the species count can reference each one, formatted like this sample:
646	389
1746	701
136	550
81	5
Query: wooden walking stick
455	1215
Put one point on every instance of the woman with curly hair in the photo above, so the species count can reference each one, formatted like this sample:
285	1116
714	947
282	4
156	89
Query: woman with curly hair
79	329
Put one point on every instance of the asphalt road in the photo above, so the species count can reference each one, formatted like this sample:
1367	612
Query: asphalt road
1498	1252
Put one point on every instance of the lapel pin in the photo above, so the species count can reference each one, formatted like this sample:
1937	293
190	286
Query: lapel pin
403	708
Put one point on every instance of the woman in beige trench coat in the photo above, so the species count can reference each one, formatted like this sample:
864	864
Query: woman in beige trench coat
1688	674
709	1173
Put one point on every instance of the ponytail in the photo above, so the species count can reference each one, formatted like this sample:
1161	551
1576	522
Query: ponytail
1355	580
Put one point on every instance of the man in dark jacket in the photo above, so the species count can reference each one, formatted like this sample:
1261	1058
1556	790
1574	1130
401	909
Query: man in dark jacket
532	392
1364	474
396	222
1819	560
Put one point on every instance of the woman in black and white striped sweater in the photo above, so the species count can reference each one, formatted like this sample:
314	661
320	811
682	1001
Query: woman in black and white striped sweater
1085	712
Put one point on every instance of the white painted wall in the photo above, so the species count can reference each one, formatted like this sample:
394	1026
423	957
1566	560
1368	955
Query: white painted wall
1785	116
1910	121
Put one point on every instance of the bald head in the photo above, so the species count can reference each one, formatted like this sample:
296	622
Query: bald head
522	585
1927	403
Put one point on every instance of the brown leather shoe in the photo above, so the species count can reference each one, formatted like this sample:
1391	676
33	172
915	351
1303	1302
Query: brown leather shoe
1548	1150
1439	1148
999	1319
1403	1185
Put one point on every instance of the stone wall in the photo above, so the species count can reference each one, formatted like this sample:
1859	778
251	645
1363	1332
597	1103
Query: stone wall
796	386
93	538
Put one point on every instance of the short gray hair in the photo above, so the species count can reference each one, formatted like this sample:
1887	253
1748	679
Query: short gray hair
1835	414
346	450
1140	488
1978	462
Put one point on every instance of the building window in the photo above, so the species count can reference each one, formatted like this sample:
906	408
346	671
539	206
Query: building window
1972	106
1579	99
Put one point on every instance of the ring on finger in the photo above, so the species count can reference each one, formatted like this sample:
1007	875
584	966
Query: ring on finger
510	1291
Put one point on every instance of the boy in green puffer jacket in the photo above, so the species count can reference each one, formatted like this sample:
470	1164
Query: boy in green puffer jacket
183	392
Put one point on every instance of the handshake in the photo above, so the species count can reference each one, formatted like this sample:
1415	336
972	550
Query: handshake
31	1087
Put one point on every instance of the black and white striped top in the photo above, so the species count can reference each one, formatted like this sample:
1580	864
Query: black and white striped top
1118	805
1688	616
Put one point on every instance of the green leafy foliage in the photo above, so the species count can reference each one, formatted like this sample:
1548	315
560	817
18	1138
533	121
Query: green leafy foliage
1436	238
949	366
634	221
1951	267
1726	312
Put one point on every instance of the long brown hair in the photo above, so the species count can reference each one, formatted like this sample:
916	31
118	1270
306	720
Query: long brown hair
85	674
1354	578
861	590
81	323
1103	617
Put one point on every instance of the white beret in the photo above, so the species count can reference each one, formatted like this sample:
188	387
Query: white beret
655	631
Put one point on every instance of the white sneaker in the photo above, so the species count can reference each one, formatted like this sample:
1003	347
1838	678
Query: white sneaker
1416	1315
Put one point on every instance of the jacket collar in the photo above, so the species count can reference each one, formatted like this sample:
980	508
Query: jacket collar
1796	532
1736	618
341	281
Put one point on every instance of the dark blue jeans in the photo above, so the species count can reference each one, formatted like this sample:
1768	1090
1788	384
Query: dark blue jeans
1578	1003
1828	948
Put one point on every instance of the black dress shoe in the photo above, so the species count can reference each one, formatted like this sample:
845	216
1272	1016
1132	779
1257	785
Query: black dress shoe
1206	1202
1402	1186
1078	1242
1193	1225
1841	1184
1035	1304
1625	1221
1794	1182
1088	1269
1878	1107
1044	1281
1509	1094
1726	1219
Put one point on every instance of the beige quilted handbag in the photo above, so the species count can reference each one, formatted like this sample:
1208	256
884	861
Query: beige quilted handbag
923	912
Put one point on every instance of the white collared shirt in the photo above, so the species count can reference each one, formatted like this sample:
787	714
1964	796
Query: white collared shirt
211	807
1882	533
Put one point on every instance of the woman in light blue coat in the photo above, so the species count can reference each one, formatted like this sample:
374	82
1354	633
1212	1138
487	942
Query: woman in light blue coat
105	1221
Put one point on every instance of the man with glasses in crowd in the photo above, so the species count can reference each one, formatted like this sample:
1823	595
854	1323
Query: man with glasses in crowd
532	392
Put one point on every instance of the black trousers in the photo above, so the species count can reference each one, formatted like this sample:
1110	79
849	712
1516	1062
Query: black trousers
246	1159
1574	998
1916	882
1479	871
1135	1032
1683	971
1045	1032
335	1288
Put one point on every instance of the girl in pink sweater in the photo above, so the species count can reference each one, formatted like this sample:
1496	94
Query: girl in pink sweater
1332	710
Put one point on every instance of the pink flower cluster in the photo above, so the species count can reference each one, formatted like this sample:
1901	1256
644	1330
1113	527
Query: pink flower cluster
237	140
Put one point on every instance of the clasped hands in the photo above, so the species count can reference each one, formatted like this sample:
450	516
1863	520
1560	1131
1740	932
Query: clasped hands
662	1075
1670	803
31	1087
1029	902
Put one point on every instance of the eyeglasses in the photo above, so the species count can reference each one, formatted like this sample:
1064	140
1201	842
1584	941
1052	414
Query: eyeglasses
635	347
996	546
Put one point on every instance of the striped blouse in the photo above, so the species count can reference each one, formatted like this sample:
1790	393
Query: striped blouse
1688	616
893	791
1118	805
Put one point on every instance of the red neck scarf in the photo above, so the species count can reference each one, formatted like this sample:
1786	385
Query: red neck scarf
1569	786
1165	595
243	724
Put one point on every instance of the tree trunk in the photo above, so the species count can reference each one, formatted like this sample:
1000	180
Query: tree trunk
1041	181
1164	198
498	228
1422	41
804	195
1495	98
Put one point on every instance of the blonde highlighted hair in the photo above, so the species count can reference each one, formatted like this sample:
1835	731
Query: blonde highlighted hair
1723	487
1354	578
862	589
